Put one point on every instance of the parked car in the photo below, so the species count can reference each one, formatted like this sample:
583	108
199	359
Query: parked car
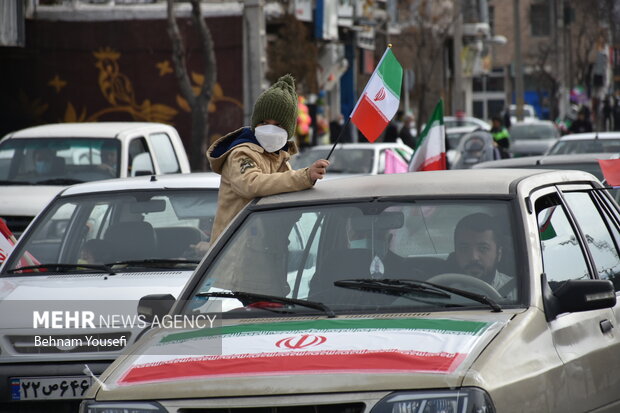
591	142
529	113
532	138
352	158
587	162
447	291
474	147
37	162
457	122
97	247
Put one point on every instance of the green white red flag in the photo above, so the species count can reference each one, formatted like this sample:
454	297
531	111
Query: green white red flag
380	99
430	153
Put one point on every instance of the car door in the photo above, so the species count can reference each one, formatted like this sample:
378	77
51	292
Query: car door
576	243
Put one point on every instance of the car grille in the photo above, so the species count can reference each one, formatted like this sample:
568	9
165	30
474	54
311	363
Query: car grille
69	343
325	408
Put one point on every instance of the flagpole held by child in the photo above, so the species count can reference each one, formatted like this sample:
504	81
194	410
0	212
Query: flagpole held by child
379	101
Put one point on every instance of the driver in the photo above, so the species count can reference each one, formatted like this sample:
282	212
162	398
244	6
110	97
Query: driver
477	251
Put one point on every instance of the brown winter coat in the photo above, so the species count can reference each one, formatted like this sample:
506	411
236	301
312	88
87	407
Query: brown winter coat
248	171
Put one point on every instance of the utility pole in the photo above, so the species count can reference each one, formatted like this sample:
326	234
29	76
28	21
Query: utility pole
254	59
518	61
457	92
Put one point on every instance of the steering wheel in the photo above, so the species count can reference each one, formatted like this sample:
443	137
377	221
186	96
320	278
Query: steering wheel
467	283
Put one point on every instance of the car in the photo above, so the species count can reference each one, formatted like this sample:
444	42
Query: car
532	138
529	113
587	162
96	247
457	122
69	153
453	141
463	291
352	158
590	142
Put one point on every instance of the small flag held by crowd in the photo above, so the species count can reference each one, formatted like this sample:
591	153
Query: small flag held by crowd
430	153
7	241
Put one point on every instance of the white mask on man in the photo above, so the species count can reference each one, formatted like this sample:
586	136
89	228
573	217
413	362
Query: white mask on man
271	137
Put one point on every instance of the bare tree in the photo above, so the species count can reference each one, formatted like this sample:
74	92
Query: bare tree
199	103
426	27
543	75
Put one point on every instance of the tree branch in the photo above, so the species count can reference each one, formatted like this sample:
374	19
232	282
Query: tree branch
178	56
208	50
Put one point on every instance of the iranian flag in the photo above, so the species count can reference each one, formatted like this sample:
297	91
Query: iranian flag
380	99
430	153
7	241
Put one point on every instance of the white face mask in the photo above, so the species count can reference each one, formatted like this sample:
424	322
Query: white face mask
271	137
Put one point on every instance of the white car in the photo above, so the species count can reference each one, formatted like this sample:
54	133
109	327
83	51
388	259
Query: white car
456	122
531	138
353	158
37	162
590	142
97	247
529	113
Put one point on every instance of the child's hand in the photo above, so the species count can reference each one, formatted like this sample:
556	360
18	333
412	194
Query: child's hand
318	169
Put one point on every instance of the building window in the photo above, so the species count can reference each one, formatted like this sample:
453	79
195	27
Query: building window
540	19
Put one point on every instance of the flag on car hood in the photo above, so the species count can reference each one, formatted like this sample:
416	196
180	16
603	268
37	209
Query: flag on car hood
380	99
430	153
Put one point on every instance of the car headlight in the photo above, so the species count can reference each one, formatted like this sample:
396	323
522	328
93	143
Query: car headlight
91	406
463	400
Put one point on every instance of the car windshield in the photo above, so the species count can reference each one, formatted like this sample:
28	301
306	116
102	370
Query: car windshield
563	147
382	248
533	132
142	230
342	160
58	161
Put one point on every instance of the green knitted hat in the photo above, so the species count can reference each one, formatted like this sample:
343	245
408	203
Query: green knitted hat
279	103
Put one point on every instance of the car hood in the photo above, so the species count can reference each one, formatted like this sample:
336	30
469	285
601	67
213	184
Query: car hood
26	200
101	293
277	357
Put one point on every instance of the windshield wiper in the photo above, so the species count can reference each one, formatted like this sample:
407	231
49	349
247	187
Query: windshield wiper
59	181
59	267
249	298
16	183
402	287
149	262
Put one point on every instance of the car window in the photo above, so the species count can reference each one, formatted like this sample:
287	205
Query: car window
394	240
140	162
599	240
533	131
585	146
58	161
104	228
563	257
165	153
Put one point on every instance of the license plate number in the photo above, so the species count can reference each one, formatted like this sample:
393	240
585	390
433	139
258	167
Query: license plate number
47	388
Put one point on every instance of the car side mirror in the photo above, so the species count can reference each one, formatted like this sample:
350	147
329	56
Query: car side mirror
142	165
574	296
155	306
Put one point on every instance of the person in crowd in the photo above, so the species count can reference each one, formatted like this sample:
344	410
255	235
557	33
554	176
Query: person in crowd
581	124
254	161
501	137
109	159
478	251
405	131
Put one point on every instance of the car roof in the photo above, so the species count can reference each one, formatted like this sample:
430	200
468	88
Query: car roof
590	136
451	183
195	180
547	160
532	122
85	129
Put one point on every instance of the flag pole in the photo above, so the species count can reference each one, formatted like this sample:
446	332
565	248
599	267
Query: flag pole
389	46
344	127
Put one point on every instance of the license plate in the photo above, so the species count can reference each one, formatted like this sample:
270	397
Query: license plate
47	388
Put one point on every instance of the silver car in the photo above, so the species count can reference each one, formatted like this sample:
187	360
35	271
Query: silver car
449	291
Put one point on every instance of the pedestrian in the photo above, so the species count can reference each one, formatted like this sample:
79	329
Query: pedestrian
501	137
405	131
582	123
616	111
254	161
